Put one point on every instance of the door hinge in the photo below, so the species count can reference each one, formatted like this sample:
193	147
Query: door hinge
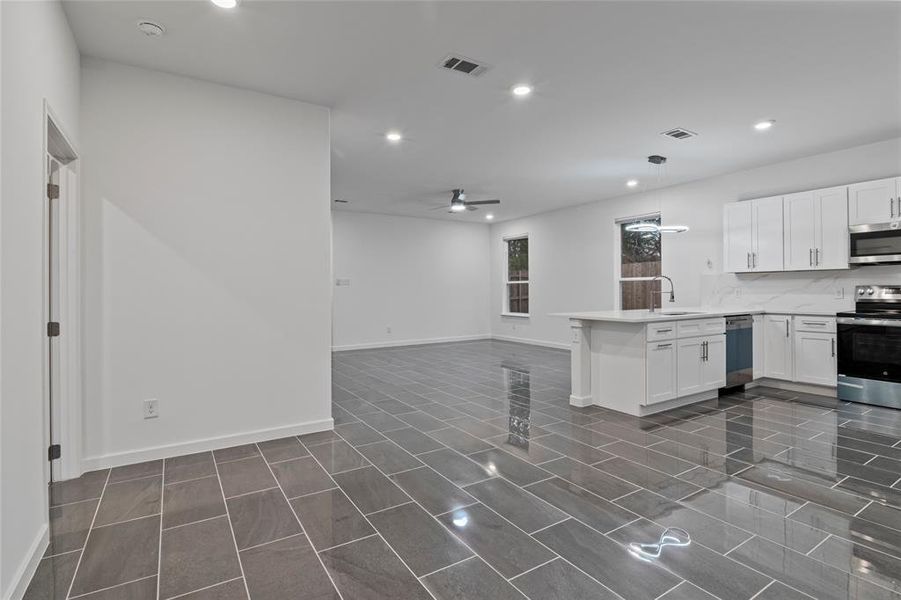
52	191
54	451
53	329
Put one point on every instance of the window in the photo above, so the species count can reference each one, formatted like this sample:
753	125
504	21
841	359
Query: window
639	262
516	289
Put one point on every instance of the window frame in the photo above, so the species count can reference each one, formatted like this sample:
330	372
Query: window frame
618	254
505	307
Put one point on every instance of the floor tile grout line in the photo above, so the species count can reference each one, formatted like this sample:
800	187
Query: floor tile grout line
302	528
159	550
866	506
112	587
820	543
88	537
204	520
421	577
359	539
671	589
132	479
762	590
204	588
51	507
105	525
191	480
536	567
242	494
231	528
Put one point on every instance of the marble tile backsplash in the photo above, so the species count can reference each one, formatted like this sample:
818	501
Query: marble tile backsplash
823	291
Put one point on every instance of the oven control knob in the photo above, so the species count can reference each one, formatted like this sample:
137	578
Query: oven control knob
860	291
869	291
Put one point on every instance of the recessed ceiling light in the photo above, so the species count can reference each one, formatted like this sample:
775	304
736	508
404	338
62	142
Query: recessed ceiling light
225	3
394	136
632	182
489	217
522	90
764	125
151	29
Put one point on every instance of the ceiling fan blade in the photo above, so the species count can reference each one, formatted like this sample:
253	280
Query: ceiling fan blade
479	202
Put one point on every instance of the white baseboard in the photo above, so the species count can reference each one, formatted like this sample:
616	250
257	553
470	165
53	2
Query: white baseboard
22	577
397	343
531	342
92	463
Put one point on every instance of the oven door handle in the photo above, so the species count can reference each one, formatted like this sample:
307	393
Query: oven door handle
876	322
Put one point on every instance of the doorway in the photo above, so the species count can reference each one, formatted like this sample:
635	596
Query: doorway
62	381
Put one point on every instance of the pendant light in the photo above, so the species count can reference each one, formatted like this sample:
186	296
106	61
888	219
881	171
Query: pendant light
647	226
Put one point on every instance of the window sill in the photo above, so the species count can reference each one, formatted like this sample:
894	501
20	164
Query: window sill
516	315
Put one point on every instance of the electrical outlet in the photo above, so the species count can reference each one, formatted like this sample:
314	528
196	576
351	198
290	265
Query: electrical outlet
839	293
388	329
737	292
151	408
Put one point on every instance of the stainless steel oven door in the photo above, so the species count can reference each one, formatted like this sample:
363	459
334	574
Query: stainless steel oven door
869	360
869	348
875	244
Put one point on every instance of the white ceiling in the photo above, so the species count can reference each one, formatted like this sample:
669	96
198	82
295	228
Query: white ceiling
608	78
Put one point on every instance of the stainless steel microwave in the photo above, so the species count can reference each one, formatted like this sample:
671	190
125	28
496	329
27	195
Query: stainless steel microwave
875	244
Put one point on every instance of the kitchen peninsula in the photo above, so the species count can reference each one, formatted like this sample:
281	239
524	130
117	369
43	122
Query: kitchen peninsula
641	362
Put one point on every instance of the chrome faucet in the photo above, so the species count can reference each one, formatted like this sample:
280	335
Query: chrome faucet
672	292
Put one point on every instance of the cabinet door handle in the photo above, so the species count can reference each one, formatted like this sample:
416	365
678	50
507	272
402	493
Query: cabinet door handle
810	257
786	328
754	259
817	257
817	323
891	207
749	260
833	347
664	346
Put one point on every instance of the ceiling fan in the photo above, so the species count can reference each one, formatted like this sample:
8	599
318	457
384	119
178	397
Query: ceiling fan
459	203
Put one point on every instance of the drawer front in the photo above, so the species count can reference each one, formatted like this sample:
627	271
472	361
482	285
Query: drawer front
695	327
661	331
814	324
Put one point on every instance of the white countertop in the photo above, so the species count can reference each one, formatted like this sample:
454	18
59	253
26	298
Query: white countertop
643	316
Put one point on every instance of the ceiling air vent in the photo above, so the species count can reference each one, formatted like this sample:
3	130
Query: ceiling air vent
461	64
679	134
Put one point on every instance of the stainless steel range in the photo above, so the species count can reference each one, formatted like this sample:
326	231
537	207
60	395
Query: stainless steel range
869	347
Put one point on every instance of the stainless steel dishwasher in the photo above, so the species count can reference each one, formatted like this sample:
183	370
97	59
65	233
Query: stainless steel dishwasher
739	350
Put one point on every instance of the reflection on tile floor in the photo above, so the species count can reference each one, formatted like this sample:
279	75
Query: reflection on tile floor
459	471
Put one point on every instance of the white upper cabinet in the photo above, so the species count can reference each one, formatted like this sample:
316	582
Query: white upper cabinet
816	230
739	236
753	235
874	201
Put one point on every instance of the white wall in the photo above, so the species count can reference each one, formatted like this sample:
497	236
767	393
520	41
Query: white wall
39	61
425	279
207	264
572	251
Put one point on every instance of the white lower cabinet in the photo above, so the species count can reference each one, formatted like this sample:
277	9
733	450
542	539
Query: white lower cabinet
777	347
661	371
713	365
815	358
684	367
689	358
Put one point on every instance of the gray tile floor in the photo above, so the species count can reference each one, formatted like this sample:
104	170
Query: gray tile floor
459	471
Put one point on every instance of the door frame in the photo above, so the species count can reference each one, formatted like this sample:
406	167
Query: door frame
66	411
